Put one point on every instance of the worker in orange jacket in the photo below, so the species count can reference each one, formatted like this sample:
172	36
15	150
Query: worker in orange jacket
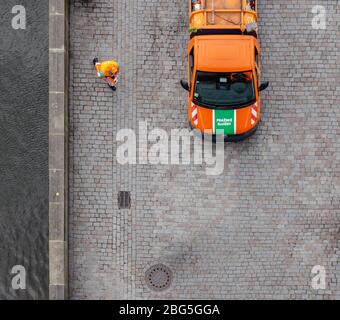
108	71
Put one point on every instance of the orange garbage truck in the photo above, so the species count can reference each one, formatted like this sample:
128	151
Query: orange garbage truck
224	68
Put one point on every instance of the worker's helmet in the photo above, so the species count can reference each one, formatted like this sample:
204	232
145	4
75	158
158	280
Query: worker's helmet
115	69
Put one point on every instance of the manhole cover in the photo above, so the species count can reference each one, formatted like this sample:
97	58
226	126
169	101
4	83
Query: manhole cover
158	277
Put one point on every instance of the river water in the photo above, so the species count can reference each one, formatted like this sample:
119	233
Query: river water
24	149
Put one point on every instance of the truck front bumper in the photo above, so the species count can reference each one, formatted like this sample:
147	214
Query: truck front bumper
231	138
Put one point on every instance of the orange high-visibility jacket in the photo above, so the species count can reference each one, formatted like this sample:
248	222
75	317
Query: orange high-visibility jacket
108	68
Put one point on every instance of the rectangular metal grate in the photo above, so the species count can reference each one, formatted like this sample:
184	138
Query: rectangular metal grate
124	200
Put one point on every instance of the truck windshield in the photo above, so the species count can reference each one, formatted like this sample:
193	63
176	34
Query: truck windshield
224	89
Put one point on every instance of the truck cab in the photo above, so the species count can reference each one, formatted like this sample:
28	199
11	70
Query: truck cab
224	68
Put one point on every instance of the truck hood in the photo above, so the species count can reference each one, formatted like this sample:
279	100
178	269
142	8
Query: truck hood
227	122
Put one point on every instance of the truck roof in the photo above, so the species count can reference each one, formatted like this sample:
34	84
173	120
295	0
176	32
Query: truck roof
224	53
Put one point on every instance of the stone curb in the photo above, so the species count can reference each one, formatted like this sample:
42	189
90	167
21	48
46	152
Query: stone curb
58	154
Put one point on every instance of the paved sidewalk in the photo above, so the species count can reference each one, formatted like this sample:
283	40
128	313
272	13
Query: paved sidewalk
255	231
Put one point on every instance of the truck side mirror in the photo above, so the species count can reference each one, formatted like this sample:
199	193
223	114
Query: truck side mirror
264	86
185	85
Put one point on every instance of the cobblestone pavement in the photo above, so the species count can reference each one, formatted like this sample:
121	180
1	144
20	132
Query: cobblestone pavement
255	231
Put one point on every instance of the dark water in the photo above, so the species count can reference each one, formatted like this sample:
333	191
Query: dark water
24	149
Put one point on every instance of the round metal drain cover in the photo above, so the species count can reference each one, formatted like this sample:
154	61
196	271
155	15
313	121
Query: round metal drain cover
158	277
